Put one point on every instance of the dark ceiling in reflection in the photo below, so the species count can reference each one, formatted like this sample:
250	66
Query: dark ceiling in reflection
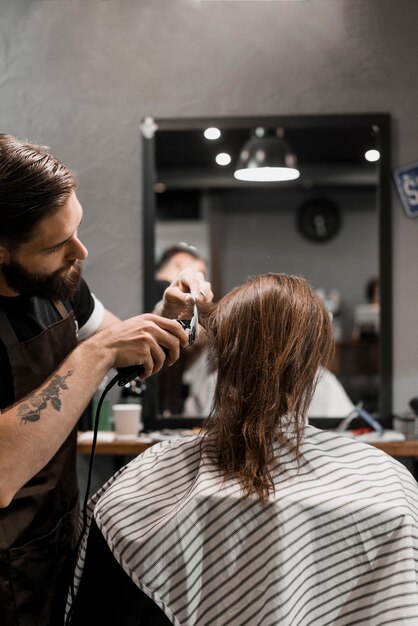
335	146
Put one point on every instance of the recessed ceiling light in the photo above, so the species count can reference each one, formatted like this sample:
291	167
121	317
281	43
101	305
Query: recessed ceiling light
212	133
223	158
372	155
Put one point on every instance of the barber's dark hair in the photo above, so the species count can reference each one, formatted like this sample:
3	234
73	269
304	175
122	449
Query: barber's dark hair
267	338
168	254
33	185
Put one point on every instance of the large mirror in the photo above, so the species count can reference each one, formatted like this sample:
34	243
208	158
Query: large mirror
330	225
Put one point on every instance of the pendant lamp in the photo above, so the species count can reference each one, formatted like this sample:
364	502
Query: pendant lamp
266	157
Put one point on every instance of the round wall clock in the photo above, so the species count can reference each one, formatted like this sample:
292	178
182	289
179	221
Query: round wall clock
319	219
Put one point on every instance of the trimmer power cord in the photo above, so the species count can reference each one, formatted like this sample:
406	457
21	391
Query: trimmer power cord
109	386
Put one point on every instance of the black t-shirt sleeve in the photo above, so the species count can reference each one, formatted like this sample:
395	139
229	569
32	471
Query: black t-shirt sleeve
82	303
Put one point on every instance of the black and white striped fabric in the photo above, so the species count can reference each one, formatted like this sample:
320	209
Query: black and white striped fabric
336	544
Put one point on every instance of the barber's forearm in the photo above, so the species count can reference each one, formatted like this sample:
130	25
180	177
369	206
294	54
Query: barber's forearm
32	430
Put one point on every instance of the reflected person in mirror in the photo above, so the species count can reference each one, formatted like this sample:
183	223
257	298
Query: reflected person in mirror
264	519
57	342
172	261
173	390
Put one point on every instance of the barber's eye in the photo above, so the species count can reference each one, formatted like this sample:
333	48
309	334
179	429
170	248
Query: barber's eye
54	250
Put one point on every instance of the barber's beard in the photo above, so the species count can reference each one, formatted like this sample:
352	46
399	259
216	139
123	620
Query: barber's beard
59	285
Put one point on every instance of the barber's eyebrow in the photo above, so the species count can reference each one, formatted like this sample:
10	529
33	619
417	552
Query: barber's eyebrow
61	243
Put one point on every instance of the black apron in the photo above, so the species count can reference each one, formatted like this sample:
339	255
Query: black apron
38	528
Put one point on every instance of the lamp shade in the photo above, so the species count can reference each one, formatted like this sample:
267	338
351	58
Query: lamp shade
265	159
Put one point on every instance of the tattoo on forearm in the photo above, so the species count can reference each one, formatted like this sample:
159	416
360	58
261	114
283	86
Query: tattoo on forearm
30	411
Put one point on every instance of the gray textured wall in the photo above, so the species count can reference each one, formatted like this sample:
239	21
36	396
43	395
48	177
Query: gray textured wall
78	75
261	236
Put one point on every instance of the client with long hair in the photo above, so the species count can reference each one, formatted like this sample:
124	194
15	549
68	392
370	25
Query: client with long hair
261	519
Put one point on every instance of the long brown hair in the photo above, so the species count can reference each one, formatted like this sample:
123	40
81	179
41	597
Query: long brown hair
267	338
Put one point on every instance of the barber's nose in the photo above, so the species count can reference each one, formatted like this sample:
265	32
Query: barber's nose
79	250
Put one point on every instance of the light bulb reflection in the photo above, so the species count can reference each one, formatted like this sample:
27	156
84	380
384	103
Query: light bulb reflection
372	155
212	133
223	158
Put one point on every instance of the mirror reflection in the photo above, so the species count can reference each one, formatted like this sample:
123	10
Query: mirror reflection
320	219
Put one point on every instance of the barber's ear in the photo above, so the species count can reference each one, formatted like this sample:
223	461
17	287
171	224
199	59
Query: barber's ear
4	255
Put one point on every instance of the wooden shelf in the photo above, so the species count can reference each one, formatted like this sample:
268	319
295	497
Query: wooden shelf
407	448
115	448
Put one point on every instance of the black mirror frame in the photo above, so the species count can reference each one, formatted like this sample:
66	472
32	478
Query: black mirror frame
382	122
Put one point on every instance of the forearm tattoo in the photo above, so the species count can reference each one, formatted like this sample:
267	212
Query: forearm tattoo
30	411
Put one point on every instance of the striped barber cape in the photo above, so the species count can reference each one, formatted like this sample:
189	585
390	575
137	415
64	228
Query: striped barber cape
336	544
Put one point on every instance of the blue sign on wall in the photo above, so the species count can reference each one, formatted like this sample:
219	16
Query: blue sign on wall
406	179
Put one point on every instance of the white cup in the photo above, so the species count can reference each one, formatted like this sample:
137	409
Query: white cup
127	420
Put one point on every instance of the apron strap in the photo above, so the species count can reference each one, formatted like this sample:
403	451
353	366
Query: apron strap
61	309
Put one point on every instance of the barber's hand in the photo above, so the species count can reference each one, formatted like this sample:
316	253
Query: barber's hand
189	286
140	341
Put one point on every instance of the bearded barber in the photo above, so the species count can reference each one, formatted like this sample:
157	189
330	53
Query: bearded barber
56	344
